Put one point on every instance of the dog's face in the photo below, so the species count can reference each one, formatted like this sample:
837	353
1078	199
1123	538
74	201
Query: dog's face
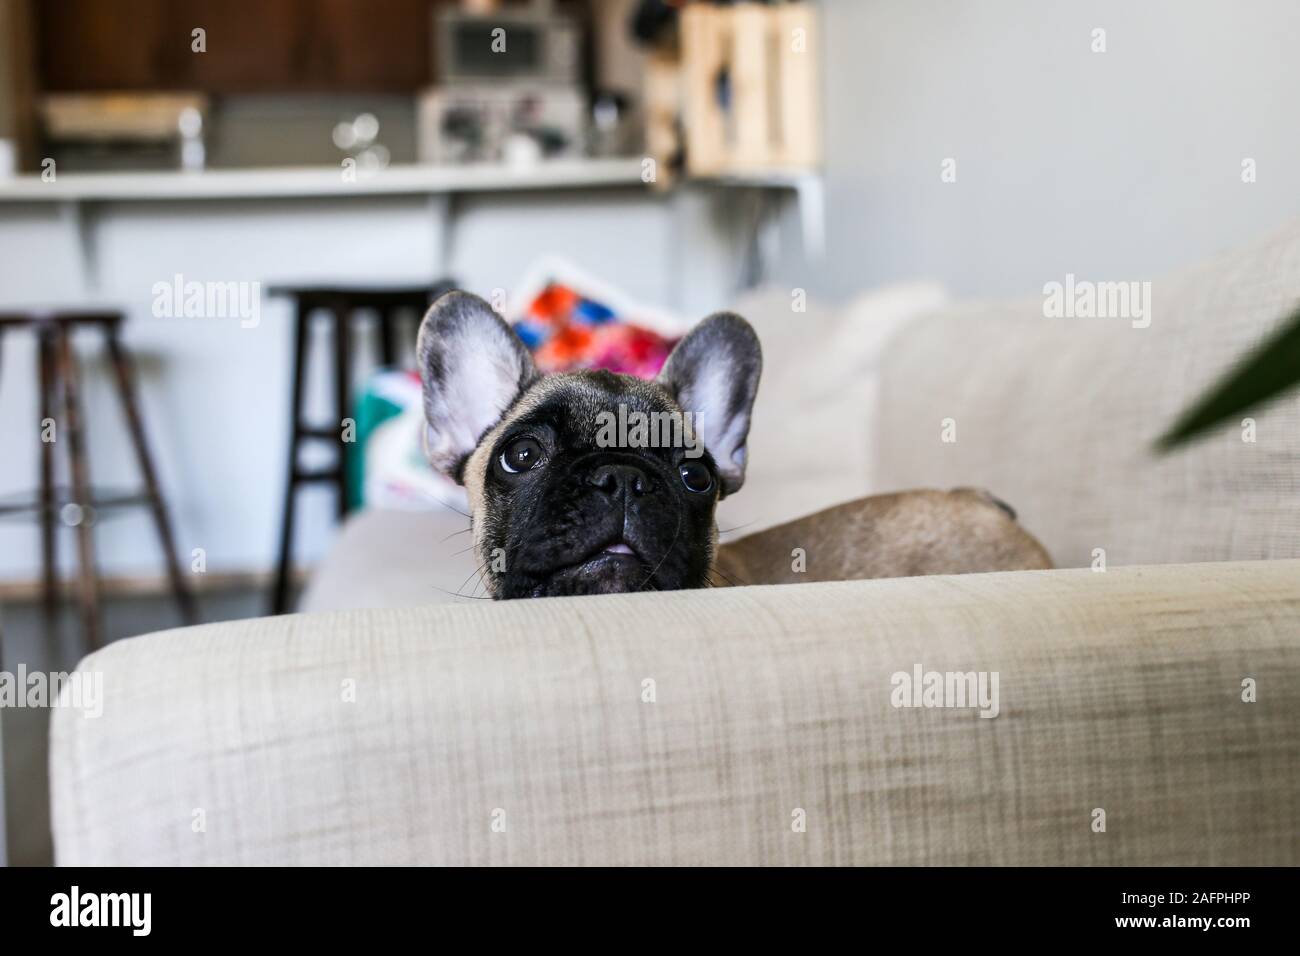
588	482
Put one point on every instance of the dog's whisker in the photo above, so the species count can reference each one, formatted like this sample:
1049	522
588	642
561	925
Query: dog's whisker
739	527
482	579
450	508
730	580
478	569
457	594
481	575
667	551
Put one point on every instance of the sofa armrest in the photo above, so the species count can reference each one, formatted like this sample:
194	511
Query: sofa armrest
702	727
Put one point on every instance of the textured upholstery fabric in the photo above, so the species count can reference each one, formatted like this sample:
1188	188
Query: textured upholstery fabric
385	557
1057	417
1118	690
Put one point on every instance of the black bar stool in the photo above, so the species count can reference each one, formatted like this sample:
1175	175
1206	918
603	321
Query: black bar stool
60	403
339	307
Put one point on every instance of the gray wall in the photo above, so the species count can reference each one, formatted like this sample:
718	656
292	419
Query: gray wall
1115	165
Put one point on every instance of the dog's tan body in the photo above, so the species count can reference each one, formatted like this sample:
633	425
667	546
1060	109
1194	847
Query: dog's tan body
886	536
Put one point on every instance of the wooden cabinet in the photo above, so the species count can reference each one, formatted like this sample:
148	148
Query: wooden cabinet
252	46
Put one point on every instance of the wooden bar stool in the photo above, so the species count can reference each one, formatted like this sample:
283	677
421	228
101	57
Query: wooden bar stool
339	307
61	404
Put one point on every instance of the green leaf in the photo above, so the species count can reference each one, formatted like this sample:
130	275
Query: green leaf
1264	374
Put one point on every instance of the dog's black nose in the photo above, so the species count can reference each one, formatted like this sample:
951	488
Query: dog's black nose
617	480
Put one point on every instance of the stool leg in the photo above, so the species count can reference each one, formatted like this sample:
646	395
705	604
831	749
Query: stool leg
343	395
73	425
284	566
122	374
49	506
387	338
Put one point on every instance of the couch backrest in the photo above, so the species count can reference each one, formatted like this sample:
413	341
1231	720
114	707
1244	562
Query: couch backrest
1057	416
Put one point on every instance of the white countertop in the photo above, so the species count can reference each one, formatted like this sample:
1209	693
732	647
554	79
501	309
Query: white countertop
305	181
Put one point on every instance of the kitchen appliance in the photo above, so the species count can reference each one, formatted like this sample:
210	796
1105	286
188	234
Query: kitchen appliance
106	131
498	122
529	44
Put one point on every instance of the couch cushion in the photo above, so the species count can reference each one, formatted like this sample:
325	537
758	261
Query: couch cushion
401	736
386	557
1057	416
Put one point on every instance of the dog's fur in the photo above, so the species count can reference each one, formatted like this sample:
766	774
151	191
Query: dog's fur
579	517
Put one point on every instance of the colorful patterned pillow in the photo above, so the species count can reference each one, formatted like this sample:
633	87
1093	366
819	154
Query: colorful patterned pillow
566	330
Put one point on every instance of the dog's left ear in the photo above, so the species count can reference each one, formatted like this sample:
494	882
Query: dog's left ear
473	367
713	373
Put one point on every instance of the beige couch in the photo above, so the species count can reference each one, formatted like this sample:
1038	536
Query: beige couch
1147	713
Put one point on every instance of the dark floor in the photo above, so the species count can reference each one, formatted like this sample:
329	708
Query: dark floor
24	640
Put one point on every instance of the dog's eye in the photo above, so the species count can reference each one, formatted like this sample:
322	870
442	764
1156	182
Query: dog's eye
695	476
520	455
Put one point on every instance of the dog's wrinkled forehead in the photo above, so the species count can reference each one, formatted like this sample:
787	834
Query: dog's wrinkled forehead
479	377
572	404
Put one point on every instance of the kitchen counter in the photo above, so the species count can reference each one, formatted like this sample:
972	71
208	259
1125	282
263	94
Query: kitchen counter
321	181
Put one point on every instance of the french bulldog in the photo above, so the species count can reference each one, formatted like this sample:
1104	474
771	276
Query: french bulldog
593	482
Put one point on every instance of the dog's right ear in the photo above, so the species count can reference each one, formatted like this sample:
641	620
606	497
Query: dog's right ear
473	366
713	373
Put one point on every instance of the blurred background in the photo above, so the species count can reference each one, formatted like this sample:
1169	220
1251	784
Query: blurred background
219	221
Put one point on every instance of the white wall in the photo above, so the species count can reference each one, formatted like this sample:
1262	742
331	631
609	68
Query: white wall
1120	164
